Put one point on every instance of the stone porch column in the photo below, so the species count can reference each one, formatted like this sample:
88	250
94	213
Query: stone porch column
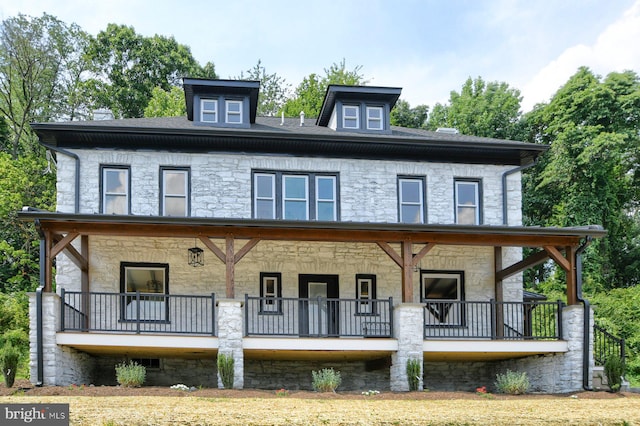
230	334
408	328
570	372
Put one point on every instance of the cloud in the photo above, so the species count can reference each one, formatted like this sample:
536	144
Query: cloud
615	49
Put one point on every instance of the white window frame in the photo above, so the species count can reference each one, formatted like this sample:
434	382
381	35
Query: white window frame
366	303
305	199
332	200
166	194
420	203
378	120
204	110
346	117
127	185
475	206
257	197
229	113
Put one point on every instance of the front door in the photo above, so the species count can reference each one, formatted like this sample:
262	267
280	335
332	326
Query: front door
319	307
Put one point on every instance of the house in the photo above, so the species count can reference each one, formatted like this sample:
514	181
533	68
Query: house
294	246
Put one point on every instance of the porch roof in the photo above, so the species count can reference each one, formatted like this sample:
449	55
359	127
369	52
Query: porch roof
163	226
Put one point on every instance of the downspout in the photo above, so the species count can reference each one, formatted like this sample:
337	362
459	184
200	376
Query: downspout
39	332
504	187
587	316
77	180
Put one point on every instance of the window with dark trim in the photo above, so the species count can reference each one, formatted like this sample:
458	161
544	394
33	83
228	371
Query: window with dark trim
350	116
233	111
443	294
366	294
115	189
209	110
145	287
375	118
175	191
270	293
295	196
411	199
468	198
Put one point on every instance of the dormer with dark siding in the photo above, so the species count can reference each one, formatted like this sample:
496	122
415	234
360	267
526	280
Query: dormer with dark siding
363	109
221	103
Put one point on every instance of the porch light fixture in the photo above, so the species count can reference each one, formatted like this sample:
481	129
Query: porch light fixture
196	256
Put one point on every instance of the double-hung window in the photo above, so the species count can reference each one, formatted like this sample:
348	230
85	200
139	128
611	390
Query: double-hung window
467	200
209	110
443	294
350	117
411	199
295	196
116	186
233	112
174	192
374	118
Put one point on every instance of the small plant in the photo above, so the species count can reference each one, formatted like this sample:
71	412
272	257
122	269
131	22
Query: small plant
326	380
282	392
130	375
614	370
512	382
225	370
370	392
9	358
413	374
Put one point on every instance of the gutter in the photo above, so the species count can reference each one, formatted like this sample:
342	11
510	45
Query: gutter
587	316
77	179
39	332
505	218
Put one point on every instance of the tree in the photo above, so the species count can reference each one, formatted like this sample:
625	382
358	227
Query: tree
166	104
273	89
405	116
127	67
41	63
480	109
309	94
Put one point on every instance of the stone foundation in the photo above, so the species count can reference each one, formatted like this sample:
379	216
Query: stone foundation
172	371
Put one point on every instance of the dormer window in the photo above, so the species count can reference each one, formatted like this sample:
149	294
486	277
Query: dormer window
350	117
209	110
374	118
233	112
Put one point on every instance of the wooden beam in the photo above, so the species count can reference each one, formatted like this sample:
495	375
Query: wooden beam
497	260
214	248
558	257
529	262
84	280
391	252
407	272
572	277
418	256
63	243
48	262
246	249
230	275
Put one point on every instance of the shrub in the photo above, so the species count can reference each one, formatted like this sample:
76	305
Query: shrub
513	383
225	370
130	375
413	374
614	370
326	380
9	358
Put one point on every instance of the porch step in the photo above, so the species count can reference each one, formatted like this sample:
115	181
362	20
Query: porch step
600	380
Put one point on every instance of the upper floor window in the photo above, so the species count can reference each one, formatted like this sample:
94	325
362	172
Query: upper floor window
411	199
174	199
295	196
115	185
350	117
374	118
209	110
467	200
233	112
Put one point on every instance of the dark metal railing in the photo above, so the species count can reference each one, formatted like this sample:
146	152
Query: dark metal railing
606	345
318	317
137	313
493	320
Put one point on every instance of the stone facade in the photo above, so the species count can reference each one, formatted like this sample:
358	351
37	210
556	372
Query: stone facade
230	332
408	320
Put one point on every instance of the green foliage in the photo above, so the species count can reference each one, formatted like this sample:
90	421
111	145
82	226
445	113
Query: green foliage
226	370
326	380
404	116
273	90
414	371
9	358
512	383
131	375
166	104
614	370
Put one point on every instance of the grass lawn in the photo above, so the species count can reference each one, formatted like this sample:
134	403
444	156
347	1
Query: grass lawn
191	409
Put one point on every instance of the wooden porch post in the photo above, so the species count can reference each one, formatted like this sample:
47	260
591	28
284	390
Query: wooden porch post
572	278
499	296
86	308
407	272
48	262
231	270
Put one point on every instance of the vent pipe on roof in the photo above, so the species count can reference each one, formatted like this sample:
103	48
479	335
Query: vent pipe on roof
302	118
282	119
449	130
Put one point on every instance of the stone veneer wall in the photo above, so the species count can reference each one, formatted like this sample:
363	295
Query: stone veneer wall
408	325
230	333
172	371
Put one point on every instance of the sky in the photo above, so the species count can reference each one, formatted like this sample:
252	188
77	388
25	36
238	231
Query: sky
426	47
